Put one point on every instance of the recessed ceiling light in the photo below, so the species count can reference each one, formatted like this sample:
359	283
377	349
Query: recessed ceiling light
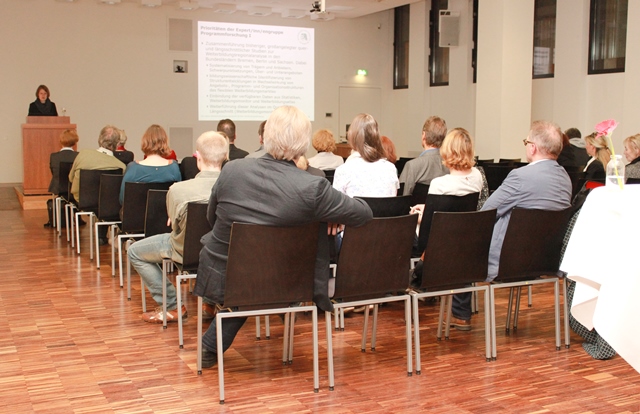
152	3
224	8
293	14
259	11
110	1
187	5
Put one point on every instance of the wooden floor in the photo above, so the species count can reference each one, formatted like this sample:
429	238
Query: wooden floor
71	342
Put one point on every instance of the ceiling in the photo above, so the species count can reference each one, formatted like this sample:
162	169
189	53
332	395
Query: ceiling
347	9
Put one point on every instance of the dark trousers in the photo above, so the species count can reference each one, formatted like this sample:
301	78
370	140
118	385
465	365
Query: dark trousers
461	306
230	328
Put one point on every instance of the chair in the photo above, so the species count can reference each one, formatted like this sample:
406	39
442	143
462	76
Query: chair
189	168
389	206
329	174
633	180
108	210
62	196
400	163
373	262
496	173
419	193
125	156
456	256
510	161
89	193
441	202
531	249
267	277
133	215
577	181
197	226
481	163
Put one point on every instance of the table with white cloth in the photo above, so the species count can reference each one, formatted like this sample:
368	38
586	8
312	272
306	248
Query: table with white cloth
603	257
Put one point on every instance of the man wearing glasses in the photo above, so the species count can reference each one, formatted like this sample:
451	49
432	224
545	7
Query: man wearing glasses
542	184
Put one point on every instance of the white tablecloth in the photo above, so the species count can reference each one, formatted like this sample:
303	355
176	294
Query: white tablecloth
603	257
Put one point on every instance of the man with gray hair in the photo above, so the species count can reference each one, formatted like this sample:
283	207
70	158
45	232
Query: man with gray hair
541	184
289	197
147	254
100	159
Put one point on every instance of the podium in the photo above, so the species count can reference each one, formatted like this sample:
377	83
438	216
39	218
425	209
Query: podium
40	137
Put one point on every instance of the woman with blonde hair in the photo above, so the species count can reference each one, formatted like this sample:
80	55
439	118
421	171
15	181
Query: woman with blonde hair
325	144
600	154
155	168
632	154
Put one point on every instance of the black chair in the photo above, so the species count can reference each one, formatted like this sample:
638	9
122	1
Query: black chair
400	163
125	156
419	194
89	193
373	262
266	278
456	256
328	174
156	217
133	214
509	161
440	202
108	210
62	196
519	164
633	180
389	206
480	163
531	249
496	173
189	168
577	181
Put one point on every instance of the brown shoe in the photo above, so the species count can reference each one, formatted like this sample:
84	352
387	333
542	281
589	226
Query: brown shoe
461	324
208	311
156	316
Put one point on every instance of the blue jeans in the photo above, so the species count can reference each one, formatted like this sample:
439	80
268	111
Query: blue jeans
146	257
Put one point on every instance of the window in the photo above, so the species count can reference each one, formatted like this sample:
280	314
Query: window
544	38
607	36
401	48
438	56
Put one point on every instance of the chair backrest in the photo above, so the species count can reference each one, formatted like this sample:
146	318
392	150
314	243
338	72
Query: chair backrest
125	156
633	180
458	249
577	181
389	206
419	194
155	218
496	173
374	258
267	273
197	226
135	203
109	197
329	174
63	179
440	202
510	161
480	163
189	168
532	244
400	163
89	190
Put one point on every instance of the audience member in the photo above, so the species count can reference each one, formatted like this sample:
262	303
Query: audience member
366	173
154	168
229	128
567	157
42	106
429	164
389	149
68	139
100	159
598	149
260	151
578	147
542	184
147	254
325	144
294	198
121	152
632	154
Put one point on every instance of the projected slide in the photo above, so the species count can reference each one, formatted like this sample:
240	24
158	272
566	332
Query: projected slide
246	71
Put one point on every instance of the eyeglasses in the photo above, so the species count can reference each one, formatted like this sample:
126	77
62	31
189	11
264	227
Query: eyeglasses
526	141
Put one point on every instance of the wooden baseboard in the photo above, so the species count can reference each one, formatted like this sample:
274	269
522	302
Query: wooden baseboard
31	202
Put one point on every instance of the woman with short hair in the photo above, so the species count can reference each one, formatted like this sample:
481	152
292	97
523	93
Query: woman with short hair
325	144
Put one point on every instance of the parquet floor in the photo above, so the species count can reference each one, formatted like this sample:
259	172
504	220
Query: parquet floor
70	342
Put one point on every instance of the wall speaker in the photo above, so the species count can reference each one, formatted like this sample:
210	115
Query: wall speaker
449	28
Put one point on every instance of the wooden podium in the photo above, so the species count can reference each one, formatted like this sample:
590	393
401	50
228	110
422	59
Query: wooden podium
40	137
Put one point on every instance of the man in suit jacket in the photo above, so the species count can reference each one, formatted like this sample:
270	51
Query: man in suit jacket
229	128
270	190
429	164
542	184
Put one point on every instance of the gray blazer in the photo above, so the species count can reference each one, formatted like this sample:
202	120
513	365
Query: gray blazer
271	192
542	185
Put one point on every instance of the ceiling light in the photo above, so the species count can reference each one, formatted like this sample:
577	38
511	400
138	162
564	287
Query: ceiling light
67	1
323	17
187	5
152	3
293	14
224	8
259	11
110	1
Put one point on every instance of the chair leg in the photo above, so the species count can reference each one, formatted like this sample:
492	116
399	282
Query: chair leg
144	296
342	319
257	328
285	339
179	303
220	352
516	311
509	306
97	244
374	327
487	326
565	306
292	323
329	333
530	297
76	221
316	369
365	328
416	332
267	327
443	302
91	225
492	306
58	215
556	293
199	338
337	318
407	333
448	305
128	243
164	296
120	238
